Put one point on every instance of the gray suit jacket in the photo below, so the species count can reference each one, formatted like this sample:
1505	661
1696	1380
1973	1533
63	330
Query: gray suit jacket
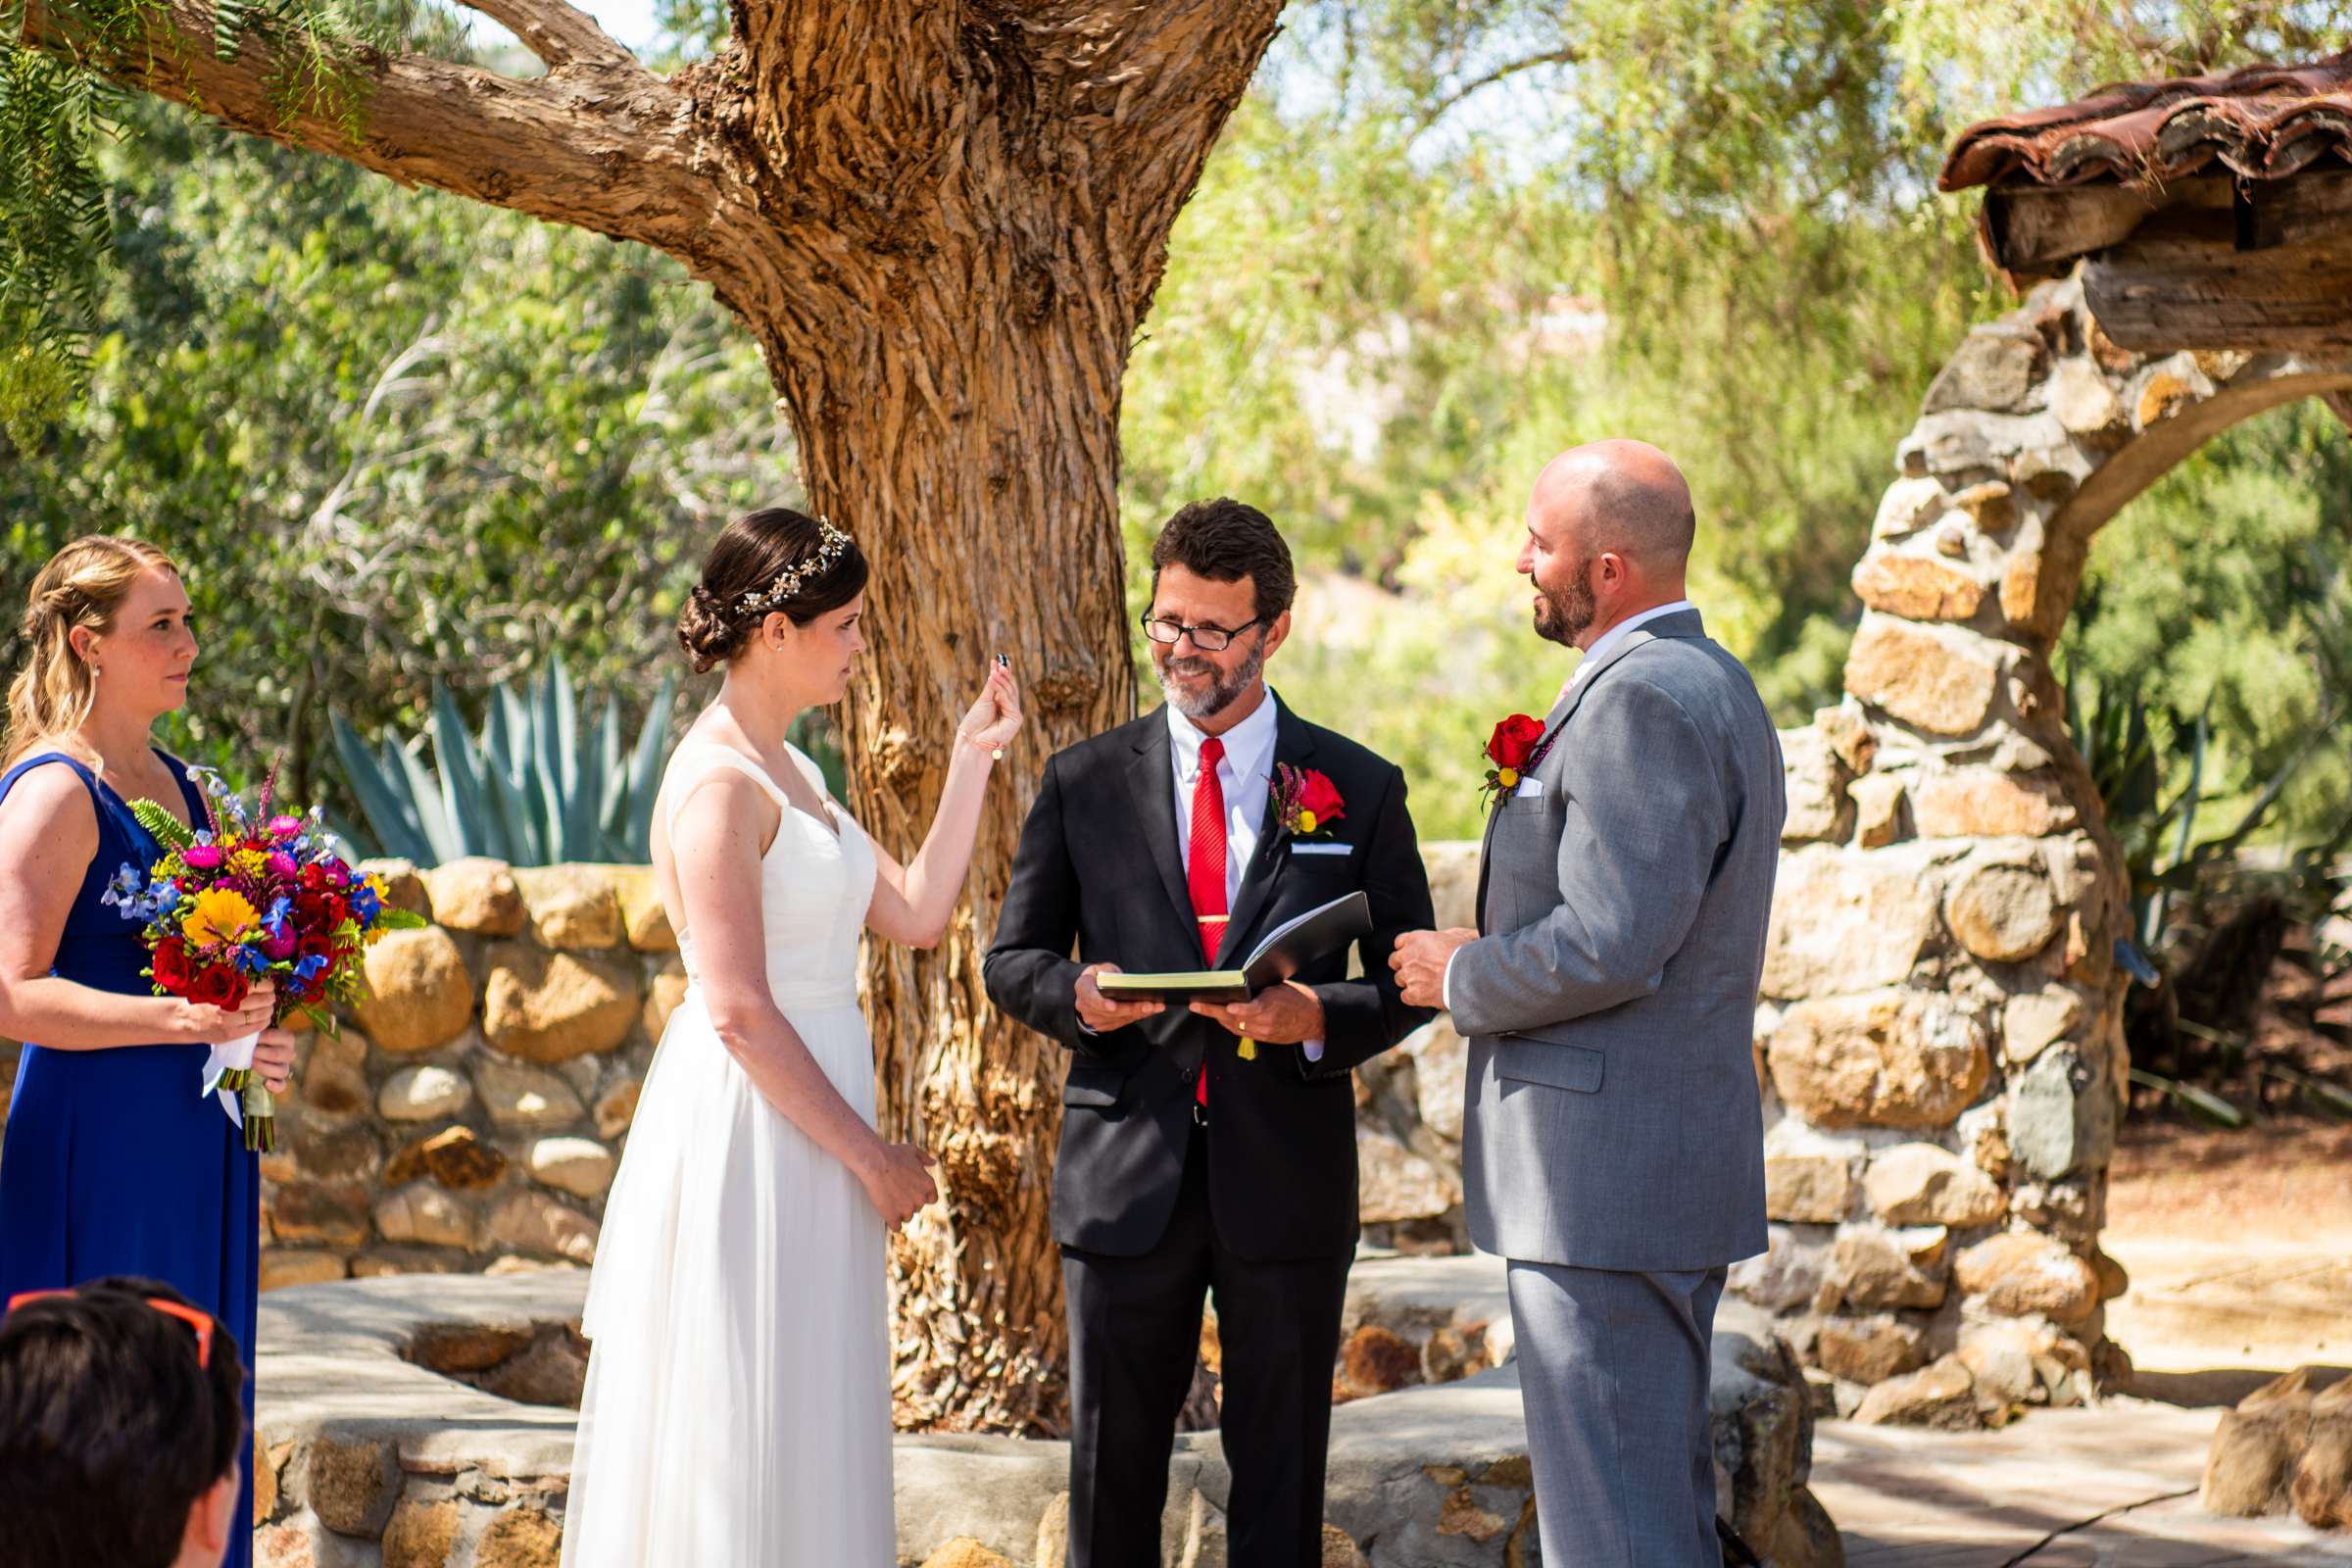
1613	1118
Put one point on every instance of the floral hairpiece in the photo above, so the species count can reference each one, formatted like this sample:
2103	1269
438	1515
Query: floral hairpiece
762	601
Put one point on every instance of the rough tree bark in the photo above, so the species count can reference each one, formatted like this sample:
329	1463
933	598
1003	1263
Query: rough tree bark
943	222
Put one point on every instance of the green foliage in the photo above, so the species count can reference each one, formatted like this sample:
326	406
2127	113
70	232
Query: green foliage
391	437
535	786
164	828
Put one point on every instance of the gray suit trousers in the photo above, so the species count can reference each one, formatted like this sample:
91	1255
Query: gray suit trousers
1613	1370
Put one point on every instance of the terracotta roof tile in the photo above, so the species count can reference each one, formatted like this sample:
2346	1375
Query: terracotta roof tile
2260	122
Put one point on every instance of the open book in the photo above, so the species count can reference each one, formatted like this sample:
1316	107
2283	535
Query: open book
1288	949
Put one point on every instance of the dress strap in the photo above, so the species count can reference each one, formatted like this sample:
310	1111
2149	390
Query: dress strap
721	758
89	781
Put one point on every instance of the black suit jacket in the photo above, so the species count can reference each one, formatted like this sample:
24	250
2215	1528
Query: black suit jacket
1097	872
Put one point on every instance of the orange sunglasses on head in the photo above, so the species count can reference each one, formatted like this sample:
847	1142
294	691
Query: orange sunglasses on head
201	1322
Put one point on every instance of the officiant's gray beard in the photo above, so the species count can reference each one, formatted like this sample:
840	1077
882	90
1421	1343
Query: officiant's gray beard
1562	616
1220	695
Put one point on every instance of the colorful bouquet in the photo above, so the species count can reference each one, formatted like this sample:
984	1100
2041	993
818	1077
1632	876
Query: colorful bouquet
244	897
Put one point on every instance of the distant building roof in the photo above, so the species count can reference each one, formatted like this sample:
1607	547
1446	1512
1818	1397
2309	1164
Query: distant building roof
2259	123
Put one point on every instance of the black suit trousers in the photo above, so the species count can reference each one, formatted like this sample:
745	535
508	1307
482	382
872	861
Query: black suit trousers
1134	1328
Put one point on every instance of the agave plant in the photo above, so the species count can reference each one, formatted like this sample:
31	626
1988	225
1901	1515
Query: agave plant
533	787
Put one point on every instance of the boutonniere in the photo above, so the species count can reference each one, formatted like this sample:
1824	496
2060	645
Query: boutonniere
1305	802
1513	751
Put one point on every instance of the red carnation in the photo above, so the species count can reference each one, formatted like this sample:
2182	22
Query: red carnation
217	985
1515	741
171	966
313	879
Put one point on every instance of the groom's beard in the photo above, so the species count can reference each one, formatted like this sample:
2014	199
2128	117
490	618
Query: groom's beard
1220	695
1562	616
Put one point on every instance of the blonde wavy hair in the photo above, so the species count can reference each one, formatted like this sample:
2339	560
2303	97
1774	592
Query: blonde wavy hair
84	584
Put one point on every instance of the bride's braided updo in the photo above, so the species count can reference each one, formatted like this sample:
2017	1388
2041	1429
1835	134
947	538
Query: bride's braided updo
767	562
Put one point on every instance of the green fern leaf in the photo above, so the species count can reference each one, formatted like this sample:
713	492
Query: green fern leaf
169	830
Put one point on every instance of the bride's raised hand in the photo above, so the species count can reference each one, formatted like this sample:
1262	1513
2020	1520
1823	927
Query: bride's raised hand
995	717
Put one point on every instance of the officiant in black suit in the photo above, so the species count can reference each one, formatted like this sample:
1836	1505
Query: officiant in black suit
1206	1149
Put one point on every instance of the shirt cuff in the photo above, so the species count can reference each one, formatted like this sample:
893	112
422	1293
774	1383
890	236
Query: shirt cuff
1313	1049
1445	983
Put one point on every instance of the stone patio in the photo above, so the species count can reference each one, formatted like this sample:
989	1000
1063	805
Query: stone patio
2060	1489
371	1459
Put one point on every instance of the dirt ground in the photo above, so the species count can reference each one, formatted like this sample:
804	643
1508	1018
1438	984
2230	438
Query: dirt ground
2240	1247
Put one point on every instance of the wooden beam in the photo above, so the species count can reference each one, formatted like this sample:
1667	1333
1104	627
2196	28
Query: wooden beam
2182	282
2339	403
2036	230
2304	209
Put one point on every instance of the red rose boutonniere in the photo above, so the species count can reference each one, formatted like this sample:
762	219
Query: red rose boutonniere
1512	751
1305	802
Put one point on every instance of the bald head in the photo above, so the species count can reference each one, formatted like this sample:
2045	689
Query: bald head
1608	536
1620	494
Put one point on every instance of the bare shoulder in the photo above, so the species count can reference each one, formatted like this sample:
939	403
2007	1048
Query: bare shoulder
50	806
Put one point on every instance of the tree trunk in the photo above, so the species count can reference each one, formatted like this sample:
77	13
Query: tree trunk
944	223
978	466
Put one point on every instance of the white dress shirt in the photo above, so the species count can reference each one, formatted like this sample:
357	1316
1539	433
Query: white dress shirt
1245	775
1602	645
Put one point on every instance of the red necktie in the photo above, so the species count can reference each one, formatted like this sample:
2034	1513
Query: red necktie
1204	867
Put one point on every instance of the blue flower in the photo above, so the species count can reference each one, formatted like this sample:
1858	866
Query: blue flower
308	967
365	903
250	961
123	892
275	919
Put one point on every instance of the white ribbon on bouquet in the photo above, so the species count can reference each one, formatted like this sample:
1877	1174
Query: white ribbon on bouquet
237	1055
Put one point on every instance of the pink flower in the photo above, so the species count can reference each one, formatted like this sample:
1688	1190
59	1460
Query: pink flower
202	857
285	827
280	863
338	875
282	946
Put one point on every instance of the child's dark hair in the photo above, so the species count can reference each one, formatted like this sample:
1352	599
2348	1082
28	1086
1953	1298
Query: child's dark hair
110	1430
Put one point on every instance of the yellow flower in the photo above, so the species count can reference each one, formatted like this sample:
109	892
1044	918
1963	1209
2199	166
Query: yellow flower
1508	779
248	863
220	915
1306	822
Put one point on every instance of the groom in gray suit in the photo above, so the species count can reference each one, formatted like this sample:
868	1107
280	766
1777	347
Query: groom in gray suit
1613	1150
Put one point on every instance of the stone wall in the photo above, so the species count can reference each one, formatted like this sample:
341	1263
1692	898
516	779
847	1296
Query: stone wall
469	1117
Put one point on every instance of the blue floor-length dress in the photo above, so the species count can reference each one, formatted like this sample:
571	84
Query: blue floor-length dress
113	1163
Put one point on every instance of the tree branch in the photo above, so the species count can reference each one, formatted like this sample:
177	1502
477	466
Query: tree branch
557	34
1447	105
601	144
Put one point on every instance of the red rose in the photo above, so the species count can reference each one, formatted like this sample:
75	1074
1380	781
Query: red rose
320	944
170	966
217	985
316	913
1515	741
1318	795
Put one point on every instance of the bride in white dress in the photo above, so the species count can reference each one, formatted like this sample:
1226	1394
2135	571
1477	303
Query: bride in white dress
737	1409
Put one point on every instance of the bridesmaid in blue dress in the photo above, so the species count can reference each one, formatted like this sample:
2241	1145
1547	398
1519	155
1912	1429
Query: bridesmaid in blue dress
113	1162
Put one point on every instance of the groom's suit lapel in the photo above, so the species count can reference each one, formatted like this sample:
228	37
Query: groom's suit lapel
1683	623
1294	743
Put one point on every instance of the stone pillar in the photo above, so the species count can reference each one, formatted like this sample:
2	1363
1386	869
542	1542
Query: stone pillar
1940	1046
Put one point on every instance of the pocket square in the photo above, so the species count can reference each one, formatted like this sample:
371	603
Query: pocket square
1529	789
1322	849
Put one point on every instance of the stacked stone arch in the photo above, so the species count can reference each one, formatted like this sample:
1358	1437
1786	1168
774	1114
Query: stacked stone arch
1941	1039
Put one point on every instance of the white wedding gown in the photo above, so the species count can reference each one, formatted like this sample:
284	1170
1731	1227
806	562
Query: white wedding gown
737	1409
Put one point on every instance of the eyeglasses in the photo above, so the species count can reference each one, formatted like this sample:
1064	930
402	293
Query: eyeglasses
1209	639
201	1322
